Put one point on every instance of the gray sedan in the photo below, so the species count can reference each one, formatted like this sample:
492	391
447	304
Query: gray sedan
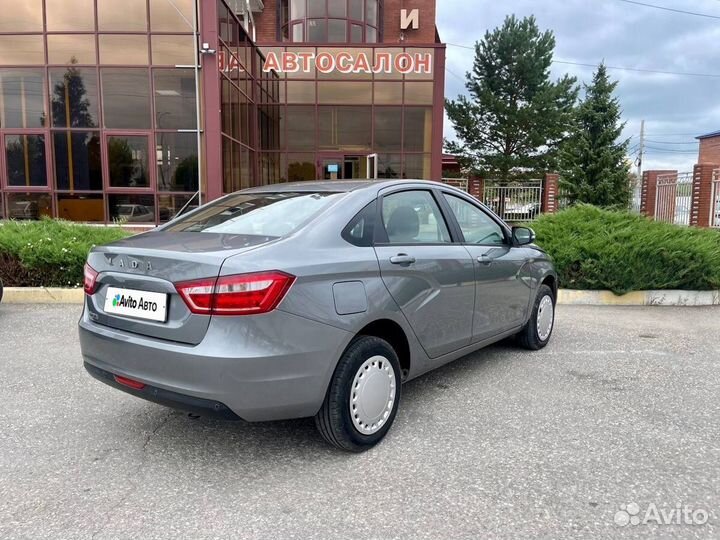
311	299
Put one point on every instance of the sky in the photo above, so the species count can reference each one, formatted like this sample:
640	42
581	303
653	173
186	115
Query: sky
676	108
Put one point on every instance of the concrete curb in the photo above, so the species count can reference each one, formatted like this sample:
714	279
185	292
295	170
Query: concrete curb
42	295
56	295
639	298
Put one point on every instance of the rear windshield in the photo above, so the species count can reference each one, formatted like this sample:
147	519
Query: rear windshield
262	214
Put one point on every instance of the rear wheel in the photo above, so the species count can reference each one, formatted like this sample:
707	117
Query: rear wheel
363	396
538	330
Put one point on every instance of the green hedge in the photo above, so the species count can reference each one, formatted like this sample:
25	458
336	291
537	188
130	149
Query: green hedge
49	253
602	249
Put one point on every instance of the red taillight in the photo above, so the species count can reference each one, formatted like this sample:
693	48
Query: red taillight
137	385
89	279
243	294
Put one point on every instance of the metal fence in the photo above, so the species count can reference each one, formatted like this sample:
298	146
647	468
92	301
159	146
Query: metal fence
715	200
673	198
514	202
460	183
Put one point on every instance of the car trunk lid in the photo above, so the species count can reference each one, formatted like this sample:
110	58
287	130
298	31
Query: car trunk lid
152	263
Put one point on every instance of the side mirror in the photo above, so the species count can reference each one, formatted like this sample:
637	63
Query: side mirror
522	236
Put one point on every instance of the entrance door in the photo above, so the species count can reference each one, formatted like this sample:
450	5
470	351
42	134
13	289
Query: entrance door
342	167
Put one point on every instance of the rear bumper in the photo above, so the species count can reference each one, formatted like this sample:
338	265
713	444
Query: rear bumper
203	407
268	367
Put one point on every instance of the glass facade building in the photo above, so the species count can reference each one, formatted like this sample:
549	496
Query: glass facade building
130	111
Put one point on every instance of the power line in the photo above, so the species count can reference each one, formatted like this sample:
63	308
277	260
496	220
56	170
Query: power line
654	6
620	68
671	142
454	74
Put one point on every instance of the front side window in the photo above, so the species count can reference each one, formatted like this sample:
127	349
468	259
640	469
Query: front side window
272	215
413	217
477	227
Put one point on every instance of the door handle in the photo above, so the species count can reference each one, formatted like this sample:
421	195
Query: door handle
484	259
402	258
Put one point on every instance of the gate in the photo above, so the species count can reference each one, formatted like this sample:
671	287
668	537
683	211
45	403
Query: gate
673	198
514	202
715	200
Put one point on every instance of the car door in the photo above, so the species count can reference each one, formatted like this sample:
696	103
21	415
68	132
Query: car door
502	292
431	278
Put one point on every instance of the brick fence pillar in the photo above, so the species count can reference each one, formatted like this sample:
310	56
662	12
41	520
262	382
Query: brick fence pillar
701	207
476	187
548	204
648	191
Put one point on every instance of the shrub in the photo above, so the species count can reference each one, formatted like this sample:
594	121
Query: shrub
619	251
49	253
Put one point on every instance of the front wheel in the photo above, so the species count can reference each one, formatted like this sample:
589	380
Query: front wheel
363	397
538	330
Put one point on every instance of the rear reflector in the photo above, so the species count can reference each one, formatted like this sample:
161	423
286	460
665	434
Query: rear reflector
136	385
89	279
242	294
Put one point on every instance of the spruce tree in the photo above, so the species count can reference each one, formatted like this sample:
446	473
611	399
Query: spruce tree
594	165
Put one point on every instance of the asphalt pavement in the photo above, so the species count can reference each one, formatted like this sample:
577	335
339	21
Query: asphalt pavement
622	408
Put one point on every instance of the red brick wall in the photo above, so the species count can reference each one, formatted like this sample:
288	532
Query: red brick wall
266	22
649	190
391	21
702	194
709	150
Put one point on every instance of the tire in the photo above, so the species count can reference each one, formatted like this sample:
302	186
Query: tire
531	337
363	428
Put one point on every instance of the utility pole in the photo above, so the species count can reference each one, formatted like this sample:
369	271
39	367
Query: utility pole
641	153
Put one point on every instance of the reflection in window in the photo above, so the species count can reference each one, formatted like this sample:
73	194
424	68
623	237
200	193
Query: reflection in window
25	160
419	93
301	167
77	160
477	227
21	50
175	105
418	129
337	31
81	207
25	16
170	205
300	92
126	98
71	48
21	98
171	15
73	97
128	161
123	49
417	166
173	50
300	122
388	93
28	205
132	208
351	93
317	31
70	15
388	165
388	128
126	16
177	163
345	128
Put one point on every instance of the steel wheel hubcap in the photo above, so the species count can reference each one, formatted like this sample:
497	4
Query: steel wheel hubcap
545	318
372	395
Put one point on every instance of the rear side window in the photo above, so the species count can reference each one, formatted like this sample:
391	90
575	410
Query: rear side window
360	231
257	214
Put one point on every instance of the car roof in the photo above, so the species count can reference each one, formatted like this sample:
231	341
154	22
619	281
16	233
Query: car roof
336	186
